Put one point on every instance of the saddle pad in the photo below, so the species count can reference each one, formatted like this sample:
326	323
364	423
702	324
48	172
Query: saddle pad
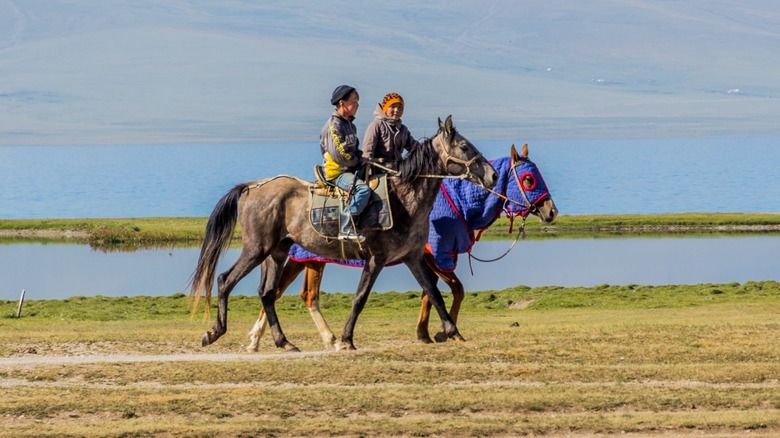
325	206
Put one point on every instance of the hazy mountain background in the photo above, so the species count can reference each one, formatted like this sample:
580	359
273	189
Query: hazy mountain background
135	71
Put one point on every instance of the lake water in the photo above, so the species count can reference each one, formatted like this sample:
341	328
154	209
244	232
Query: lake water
585	177
52	271
611	176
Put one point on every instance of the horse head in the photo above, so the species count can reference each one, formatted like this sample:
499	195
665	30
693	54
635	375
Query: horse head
461	158
529	192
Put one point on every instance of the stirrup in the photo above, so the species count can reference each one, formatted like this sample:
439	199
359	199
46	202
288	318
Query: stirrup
353	237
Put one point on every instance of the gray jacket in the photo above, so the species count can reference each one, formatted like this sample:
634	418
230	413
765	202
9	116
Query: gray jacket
386	139
339	145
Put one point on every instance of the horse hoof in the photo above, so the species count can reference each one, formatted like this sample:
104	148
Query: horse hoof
205	342
252	349
290	348
347	347
425	339
458	338
440	337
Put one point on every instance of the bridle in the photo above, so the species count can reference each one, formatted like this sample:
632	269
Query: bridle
467	174
529	206
466	167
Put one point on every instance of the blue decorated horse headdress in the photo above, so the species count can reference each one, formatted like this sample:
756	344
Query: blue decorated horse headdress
526	188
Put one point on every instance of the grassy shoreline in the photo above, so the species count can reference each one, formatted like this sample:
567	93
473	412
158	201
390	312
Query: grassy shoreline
189	230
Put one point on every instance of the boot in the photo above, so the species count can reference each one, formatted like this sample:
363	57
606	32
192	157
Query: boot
346	228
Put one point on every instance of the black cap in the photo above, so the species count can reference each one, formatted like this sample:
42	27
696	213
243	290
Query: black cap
340	93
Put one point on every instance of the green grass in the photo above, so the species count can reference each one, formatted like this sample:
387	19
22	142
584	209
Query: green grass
189	231
664	361
112	231
650	225
604	297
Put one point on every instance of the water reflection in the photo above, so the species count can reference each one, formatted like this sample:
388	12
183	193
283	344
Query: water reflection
53	271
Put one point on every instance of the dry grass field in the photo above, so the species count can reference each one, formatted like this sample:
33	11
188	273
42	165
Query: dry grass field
699	361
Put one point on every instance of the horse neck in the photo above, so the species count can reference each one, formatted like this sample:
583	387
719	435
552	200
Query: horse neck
503	167
418	194
477	206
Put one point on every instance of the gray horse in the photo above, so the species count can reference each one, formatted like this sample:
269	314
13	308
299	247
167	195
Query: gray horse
273	213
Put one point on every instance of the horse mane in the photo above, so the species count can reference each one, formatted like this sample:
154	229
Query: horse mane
421	160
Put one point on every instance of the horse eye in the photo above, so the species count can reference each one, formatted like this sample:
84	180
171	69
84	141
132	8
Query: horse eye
528	181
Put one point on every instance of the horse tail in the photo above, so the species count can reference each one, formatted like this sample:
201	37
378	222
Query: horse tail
219	232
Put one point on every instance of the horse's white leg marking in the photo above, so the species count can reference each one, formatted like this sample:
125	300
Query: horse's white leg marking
328	338
256	333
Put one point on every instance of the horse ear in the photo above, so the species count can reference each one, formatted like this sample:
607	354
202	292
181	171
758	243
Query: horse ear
525	150
446	126
513	154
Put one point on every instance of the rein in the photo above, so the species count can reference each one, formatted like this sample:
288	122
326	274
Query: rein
467	165
520	232
465	175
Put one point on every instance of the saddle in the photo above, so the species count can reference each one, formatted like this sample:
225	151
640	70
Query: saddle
327	201
323	187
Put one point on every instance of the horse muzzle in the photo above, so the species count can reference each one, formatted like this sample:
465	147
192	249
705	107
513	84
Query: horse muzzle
486	175
546	211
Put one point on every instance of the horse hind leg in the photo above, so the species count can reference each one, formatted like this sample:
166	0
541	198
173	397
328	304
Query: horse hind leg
247	261
290	272
426	277
310	291
256	332
423	320
458	293
271	277
425	308
425	305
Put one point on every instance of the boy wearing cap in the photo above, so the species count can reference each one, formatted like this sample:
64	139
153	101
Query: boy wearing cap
339	145
386	136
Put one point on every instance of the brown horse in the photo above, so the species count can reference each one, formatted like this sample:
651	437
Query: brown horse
273	213
519	178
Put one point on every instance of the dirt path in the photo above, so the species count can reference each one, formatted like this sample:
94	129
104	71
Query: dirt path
44	360
32	361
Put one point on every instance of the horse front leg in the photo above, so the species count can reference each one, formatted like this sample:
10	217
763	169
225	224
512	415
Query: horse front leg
367	278
310	294
271	272
290	272
426	277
